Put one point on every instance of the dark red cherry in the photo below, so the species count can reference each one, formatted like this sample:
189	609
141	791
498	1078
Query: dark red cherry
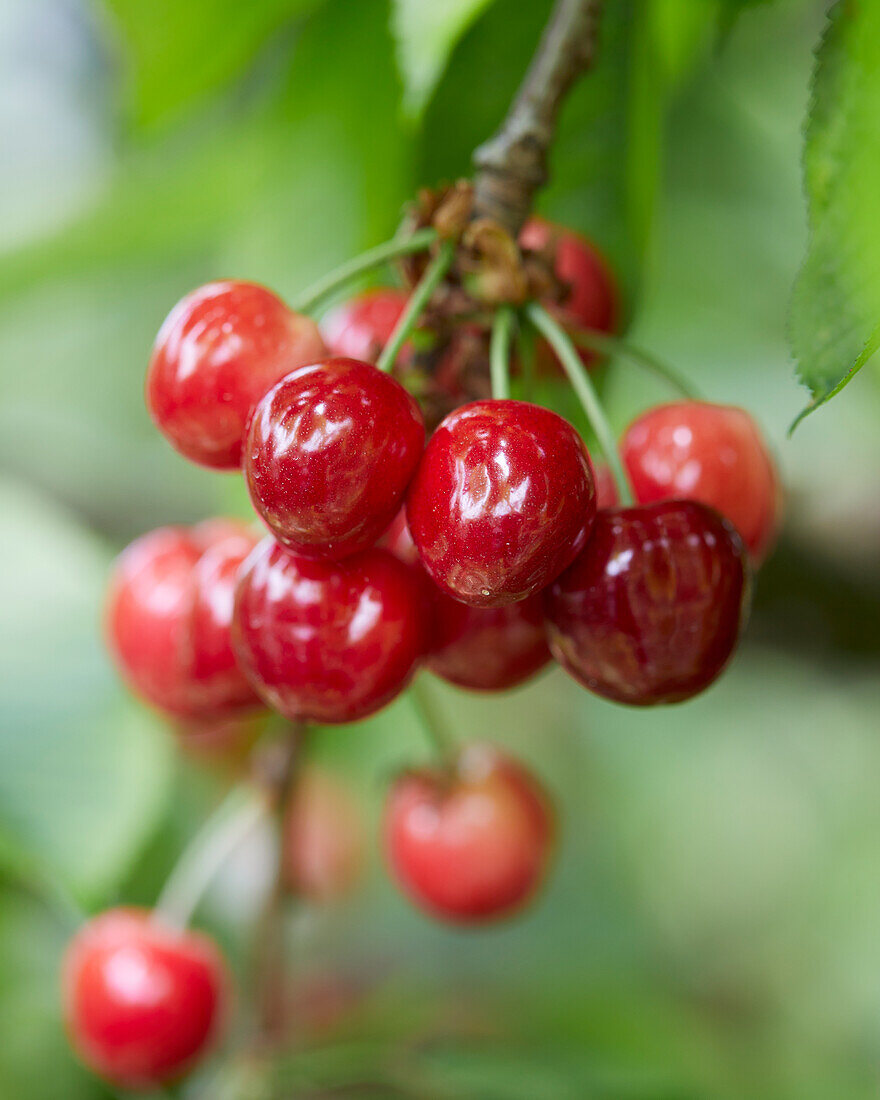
217	353
141	1001
711	453
502	501
592	298
360	328
473	845
330	452
168	619
652	609
328	641
324	849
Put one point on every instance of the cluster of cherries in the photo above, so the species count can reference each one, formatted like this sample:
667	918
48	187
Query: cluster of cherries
480	555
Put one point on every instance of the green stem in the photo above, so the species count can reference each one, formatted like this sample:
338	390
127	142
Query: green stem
567	354
431	279
499	352
604	344
526	349
206	854
426	712
382	253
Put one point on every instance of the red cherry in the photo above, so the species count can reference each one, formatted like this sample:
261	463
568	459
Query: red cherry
330	452
711	453
323	837
471	846
141	1001
502	502
169	615
217	353
328	641
360	328
591	301
606	490
651	610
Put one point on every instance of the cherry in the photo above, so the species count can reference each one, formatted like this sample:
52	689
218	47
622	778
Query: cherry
711	453
606	490
168	619
472	845
592	298
330	451
328	641
481	648
323	837
217	353
141	1001
360	328
651	610
502	501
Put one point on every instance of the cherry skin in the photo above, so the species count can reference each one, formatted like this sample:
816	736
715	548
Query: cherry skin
360	328
324	850
711	453
592	298
469	846
330	452
217	353
328	641
169	615
481	648
502	501
141	1001
651	610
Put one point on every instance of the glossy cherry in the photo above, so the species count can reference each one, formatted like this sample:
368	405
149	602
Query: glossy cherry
711	453
328	641
141	1001
361	327
502	501
592	298
169	615
217	353
324	850
473	845
651	610
330	452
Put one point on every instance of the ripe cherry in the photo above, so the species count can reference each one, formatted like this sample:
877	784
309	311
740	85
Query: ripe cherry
168	619
141	1001
711	453
323	837
592	298
481	648
330	452
217	353
472	845
328	641
651	610
360	328
502	501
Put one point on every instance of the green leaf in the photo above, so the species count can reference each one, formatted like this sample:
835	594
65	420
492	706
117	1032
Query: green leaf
426	33
835	311
83	770
180	52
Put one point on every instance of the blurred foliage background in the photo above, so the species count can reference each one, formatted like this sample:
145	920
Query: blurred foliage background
711	928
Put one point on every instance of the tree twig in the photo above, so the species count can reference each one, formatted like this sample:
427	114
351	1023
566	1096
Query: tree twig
512	165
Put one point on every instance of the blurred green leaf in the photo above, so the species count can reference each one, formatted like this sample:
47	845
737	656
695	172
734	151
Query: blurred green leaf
83	771
835	313
426	34
180	52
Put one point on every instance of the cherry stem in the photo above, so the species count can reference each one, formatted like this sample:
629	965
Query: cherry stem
604	344
217	839
526	350
426	711
499	352
419	298
581	383
419	241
